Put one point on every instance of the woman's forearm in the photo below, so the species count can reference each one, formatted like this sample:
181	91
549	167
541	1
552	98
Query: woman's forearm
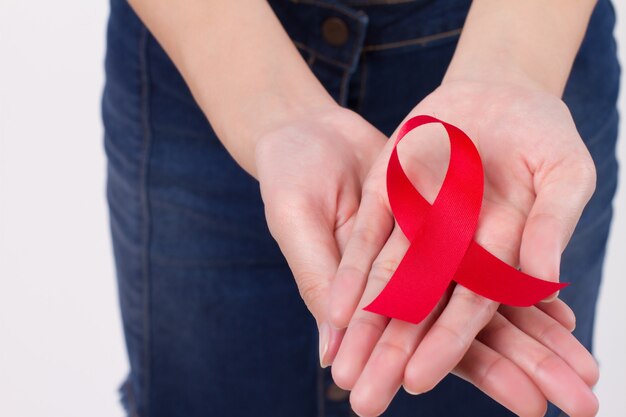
521	41
240	65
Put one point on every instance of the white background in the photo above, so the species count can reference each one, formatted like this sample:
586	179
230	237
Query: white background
61	346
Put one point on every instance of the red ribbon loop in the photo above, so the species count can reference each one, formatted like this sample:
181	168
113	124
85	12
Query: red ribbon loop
442	248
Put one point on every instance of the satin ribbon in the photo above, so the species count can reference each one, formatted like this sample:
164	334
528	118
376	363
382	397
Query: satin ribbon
442	248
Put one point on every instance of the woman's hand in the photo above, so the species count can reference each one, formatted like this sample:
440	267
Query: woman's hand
310	170
538	178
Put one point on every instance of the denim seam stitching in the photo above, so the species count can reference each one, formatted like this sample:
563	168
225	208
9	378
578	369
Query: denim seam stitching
358	47
145	213
345	11
606	125
593	224
376	2
320	56
227	263
413	41
380	47
364	74
356	15
343	88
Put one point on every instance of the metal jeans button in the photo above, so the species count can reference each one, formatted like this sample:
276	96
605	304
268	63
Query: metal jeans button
335	31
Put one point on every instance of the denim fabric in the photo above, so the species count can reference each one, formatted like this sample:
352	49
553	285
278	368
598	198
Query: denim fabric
213	322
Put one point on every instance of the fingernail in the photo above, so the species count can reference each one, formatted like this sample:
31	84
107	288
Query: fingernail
324	337
572	317
551	298
410	392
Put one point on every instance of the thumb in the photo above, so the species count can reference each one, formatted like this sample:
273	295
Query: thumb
305	235
561	196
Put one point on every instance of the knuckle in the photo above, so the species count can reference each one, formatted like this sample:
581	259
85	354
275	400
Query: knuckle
383	269
375	196
365	237
404	350
504	249
372	187
374	322
546	334
547	364
460	339
351	272
541	217
493	330
488	373
475	302
311	290
491	375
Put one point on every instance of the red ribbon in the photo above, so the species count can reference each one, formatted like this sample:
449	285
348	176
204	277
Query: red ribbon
442	248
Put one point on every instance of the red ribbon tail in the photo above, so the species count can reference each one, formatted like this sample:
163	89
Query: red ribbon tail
411	309
490	277
411	293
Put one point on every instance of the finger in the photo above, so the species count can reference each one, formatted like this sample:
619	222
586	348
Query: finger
305	235
383	373
370	231
329	341
557	338
365	328
448	339
560	312
466	313
558	382
342	235
375	222
562	193
501	380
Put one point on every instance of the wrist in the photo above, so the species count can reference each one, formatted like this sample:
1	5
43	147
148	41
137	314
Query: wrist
246	77
494	72
272	110
528	43
240	128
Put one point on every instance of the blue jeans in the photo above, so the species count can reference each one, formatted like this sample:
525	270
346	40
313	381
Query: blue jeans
213	322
